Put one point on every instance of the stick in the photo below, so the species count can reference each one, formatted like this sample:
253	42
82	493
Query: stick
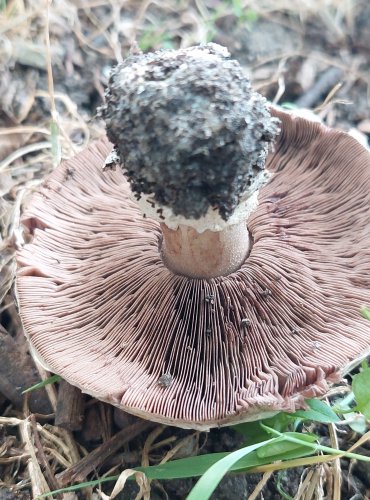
97	457
325	82
70	407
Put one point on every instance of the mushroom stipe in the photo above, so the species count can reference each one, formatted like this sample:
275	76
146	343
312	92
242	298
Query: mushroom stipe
100	308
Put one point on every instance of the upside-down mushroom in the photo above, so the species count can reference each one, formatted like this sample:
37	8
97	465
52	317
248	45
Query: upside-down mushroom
197	286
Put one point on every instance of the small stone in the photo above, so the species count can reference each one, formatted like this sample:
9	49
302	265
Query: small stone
165	380
210	299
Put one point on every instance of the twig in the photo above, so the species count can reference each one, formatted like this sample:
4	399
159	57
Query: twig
180	444
105	412
70	407
79	471
53	483
146	450
39	485
304	485
48	63
261	484
55	144
337	472
24	129
148	444
64	441
322	86
30	148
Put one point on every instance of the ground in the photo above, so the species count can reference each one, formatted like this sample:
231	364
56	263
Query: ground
312	55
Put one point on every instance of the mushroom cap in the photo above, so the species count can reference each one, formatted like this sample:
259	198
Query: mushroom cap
100	308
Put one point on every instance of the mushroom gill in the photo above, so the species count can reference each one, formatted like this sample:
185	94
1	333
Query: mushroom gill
101	309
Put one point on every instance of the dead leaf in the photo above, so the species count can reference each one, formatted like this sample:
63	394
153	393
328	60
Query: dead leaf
121	481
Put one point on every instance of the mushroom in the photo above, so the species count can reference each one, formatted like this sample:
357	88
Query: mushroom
200	285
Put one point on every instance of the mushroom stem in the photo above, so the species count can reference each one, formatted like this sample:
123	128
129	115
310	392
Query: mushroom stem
205	255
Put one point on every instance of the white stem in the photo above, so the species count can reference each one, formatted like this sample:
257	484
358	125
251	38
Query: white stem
205	255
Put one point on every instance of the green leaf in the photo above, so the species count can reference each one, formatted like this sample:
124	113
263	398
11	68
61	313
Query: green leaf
282	447
296	437
40	385
252	456
209	481
279	422
191	467
289	105
318	411
361	390
364	364
183	467
245	459
249	16
196	466
365	313
357	422
76	487
252	431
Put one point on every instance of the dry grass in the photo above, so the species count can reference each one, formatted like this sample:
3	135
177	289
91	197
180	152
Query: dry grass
55	59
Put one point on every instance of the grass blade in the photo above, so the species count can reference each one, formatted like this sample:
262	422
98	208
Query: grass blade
210	480
40	385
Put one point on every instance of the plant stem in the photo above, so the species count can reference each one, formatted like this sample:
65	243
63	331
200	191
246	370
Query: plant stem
314	446
207	254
